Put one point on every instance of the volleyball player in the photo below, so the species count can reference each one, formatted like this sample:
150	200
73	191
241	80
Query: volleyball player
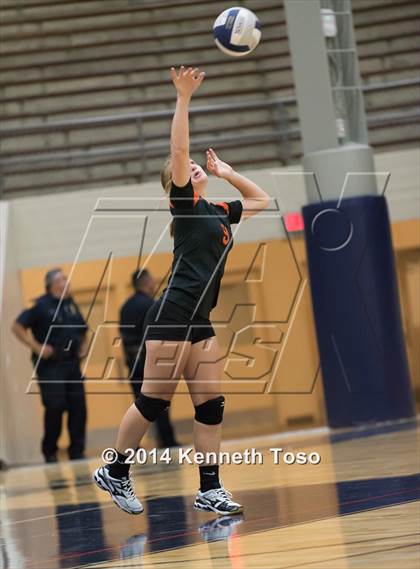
180	339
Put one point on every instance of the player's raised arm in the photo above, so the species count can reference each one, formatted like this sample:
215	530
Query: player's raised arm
186	82
255	198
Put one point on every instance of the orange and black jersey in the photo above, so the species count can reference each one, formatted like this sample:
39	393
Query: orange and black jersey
202	241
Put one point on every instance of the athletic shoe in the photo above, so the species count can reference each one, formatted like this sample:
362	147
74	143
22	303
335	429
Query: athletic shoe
120	489
217	500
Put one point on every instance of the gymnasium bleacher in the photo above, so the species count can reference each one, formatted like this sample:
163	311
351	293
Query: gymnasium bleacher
86	100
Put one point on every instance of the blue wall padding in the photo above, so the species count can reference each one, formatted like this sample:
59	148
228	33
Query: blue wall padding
357	314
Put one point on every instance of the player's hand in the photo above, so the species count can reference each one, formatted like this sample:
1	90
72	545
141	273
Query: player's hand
216	166
82	353
46	351
187	80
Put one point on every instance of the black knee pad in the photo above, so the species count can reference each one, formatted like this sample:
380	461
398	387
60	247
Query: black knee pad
210	412
151	407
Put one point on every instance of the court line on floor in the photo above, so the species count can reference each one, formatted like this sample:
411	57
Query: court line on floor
289	435
337	435
248	555
383	427
277	551
105	506
192	532
101	564
39	518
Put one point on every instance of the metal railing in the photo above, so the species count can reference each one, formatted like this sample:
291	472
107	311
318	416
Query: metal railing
70	124
144	147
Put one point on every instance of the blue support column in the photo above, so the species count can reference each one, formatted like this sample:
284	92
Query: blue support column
350	257
356	308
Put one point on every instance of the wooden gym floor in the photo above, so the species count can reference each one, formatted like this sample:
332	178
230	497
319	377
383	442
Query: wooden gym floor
358	508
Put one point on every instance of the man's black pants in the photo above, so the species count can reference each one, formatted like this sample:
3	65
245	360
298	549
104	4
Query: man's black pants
62	389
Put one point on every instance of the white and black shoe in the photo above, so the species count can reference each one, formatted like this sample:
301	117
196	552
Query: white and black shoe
218	501
120	489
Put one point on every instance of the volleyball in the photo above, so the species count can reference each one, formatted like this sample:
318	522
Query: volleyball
237	31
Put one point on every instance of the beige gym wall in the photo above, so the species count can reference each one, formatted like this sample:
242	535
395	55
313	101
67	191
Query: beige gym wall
48	230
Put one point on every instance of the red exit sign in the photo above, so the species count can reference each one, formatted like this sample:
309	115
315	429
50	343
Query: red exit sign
293	222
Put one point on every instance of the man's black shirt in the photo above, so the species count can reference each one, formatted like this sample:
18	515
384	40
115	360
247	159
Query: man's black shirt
63	329
202	241
132	315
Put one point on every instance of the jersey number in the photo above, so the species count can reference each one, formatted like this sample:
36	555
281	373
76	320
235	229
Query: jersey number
225	239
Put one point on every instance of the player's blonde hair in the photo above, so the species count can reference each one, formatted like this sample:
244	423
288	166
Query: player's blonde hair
166	175
166	181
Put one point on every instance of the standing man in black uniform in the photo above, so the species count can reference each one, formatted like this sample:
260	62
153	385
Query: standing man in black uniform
132	316
57	339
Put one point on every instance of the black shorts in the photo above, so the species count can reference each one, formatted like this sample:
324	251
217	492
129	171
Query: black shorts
172	322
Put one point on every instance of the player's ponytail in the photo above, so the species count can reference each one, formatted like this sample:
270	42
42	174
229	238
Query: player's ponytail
166	181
